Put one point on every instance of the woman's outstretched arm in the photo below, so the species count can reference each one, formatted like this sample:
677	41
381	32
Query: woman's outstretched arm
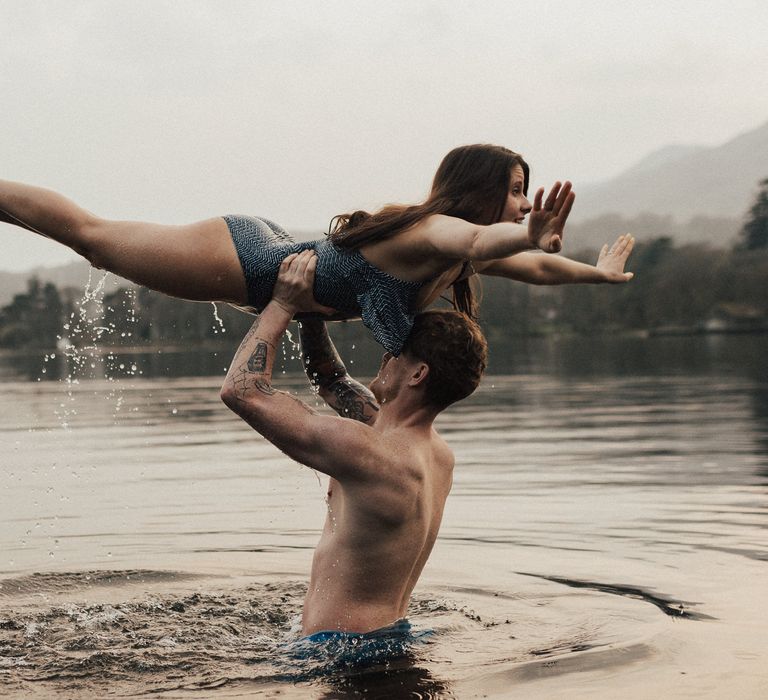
535	268
195	261
453	238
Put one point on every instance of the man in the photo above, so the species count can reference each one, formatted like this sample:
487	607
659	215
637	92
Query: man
390	472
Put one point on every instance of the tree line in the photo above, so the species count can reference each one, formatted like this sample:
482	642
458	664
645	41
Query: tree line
677	288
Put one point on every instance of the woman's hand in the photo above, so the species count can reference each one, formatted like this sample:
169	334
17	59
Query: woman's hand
611	260
546	223
293	288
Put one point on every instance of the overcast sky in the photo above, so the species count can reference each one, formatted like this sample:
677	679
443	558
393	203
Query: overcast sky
299	110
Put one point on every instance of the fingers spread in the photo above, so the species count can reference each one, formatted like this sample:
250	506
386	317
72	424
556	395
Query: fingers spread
550	203
565	209
617	243
537	199
625	246
561	197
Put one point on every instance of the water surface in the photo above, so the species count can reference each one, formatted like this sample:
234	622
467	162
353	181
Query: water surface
606	534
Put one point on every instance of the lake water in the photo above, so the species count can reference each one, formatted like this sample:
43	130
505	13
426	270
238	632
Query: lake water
606	535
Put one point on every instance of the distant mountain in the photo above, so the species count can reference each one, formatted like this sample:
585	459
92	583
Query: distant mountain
665	155
683	182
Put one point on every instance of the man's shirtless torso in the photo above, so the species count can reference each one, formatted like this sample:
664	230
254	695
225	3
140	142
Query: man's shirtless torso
390	472
378	536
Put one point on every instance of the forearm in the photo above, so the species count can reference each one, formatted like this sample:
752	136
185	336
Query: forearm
325	369
250	375
322	363
555	269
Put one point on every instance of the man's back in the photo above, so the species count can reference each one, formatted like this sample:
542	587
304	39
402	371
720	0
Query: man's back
378	534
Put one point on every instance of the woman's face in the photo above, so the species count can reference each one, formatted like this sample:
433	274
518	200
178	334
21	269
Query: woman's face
517	204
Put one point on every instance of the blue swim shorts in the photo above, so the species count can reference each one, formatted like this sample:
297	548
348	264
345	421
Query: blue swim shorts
355	648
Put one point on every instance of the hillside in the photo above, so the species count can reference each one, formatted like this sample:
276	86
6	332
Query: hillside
683	182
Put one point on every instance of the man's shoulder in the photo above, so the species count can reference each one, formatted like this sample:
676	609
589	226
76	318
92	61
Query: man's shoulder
395	457
414	455
442	451
438	445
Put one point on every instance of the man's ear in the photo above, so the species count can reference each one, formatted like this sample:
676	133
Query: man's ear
419	374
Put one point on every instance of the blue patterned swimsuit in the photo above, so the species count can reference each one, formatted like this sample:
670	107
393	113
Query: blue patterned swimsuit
344	279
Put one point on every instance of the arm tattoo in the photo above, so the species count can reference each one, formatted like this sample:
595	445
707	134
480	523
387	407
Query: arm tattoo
257	362
242	377
322	363
239	384
351	400
264	386
325	369
251	371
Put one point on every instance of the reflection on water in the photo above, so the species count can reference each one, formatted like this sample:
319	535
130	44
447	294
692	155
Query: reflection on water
577	356
159	545
669	607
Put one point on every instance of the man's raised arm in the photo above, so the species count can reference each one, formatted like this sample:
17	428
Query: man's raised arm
343	449
324	368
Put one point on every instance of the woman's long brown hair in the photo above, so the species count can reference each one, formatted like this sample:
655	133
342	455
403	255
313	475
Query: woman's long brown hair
471	183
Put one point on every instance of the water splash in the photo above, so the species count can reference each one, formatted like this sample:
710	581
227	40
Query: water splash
91	326
221	328
79	342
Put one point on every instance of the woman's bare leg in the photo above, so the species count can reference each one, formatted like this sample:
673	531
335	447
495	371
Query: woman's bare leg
196	261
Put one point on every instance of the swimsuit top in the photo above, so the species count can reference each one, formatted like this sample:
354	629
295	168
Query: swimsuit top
346	281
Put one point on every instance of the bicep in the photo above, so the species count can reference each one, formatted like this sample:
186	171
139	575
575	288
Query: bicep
338	447
449	237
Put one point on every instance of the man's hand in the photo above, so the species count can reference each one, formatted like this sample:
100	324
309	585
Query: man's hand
611	260
295	281
546	223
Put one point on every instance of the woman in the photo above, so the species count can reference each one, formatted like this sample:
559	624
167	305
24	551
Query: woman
382	267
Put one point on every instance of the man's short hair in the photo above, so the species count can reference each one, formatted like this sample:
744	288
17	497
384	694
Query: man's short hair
454	348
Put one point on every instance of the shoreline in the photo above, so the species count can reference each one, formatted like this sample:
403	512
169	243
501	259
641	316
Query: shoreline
213	346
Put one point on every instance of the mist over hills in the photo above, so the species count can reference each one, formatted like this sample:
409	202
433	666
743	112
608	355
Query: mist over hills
691	194
683	181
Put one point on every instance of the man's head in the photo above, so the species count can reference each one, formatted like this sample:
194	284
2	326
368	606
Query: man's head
444	358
